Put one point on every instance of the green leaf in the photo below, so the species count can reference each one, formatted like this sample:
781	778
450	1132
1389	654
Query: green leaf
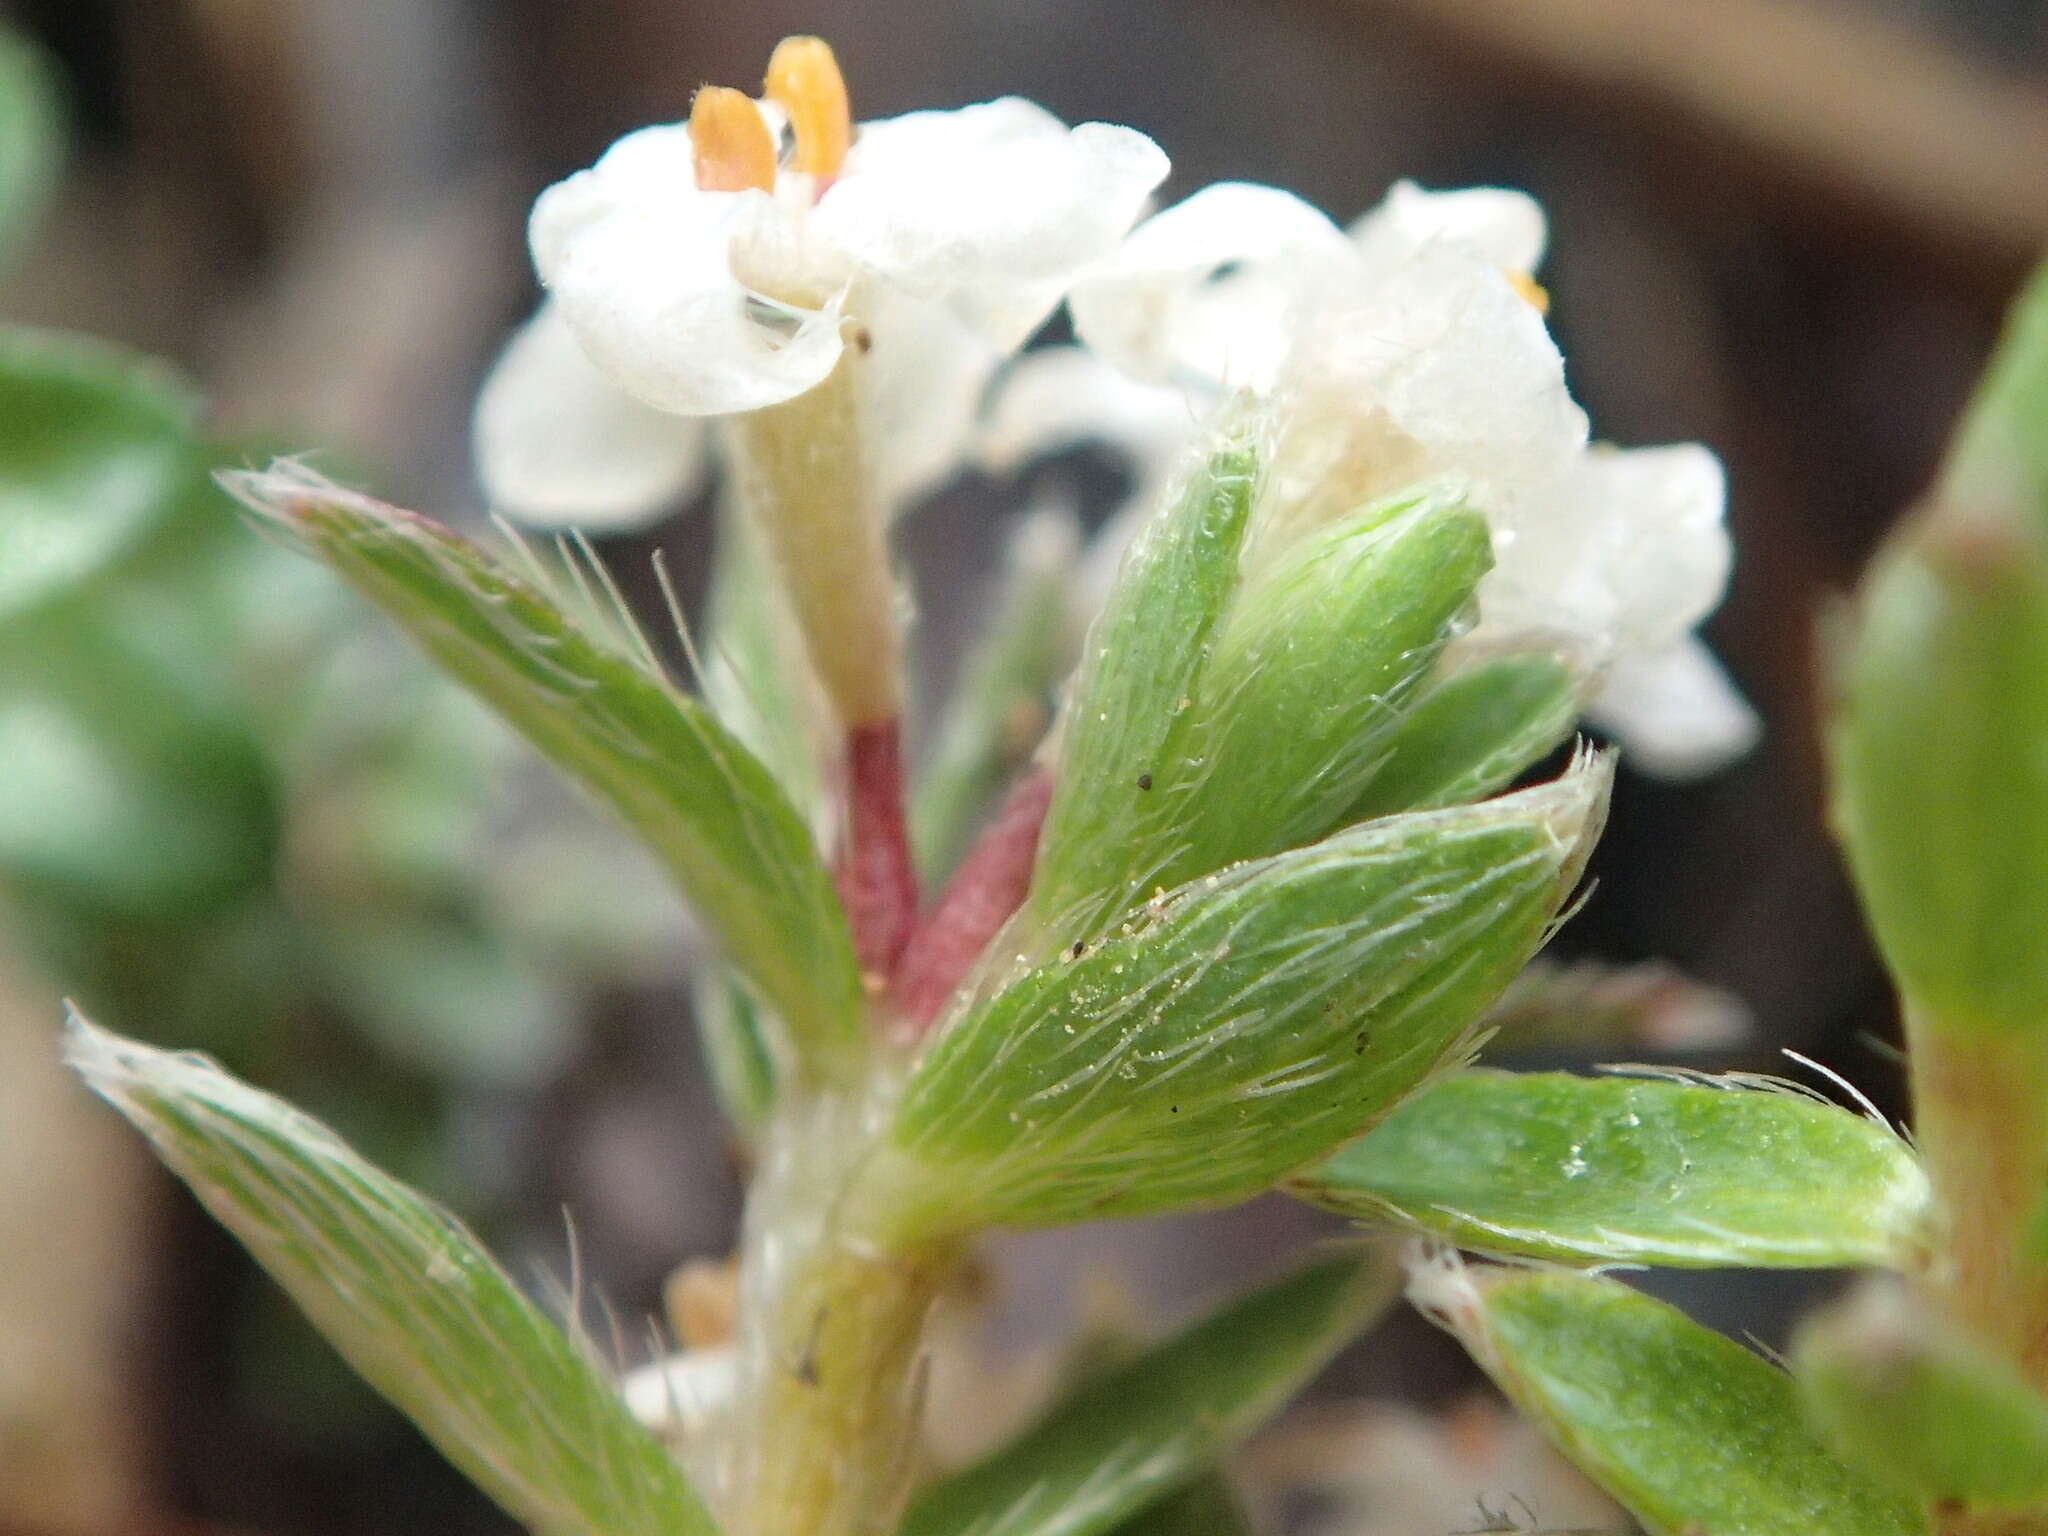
1144	1428
95	447
737	1047
1236	1029
705	805
407	1295
1206	1507
997	710
1624	1170
1139	670
1473	732
1304	688
1919	1404
1696	1435
31	139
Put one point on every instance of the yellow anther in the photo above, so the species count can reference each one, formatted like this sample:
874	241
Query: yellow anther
804	79
1533	293
732	147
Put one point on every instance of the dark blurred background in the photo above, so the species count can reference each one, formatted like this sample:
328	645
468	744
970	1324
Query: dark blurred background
1785	229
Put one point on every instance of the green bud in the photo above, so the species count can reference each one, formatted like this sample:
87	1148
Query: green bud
1233	1030
1139	670
1920	1405
1302	698
1472	732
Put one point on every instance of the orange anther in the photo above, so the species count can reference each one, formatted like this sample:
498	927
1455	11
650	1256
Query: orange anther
804	79
731	144
1533	293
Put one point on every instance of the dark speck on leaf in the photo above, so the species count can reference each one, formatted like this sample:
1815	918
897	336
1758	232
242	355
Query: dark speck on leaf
1144	781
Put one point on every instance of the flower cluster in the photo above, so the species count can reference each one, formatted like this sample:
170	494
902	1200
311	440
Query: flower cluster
726	266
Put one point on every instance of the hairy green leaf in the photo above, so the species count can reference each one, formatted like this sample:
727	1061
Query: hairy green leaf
407	1295
1472	732
1633	1171
1135	1432
704	804
1206	1507
96	446
1919	1404
1139	670
1236	1029
1696	1435
738	1047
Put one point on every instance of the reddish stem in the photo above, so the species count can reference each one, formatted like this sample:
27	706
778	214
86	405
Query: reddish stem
989	885
876	879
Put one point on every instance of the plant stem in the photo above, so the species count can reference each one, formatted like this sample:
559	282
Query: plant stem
1981	1118
832	1334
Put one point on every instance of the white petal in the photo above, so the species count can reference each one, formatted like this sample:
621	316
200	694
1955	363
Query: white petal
992	209
1501	226
1436	368
648	167
1675	713
558	444
641	264
1206	285
1668	546
685	1393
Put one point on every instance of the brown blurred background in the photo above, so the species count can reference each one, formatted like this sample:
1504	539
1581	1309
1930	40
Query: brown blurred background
1786	229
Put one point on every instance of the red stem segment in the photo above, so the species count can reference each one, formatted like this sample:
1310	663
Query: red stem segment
989	885
876	879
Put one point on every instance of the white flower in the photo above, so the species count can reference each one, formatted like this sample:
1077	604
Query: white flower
937	245
1411	346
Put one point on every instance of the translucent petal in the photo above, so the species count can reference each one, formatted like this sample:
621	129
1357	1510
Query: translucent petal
1206	286
1433	367
557	444
641	265
1497	224
1667	542
1674	711
992	209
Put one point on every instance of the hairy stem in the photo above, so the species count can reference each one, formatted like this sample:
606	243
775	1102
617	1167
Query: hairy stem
832	1338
